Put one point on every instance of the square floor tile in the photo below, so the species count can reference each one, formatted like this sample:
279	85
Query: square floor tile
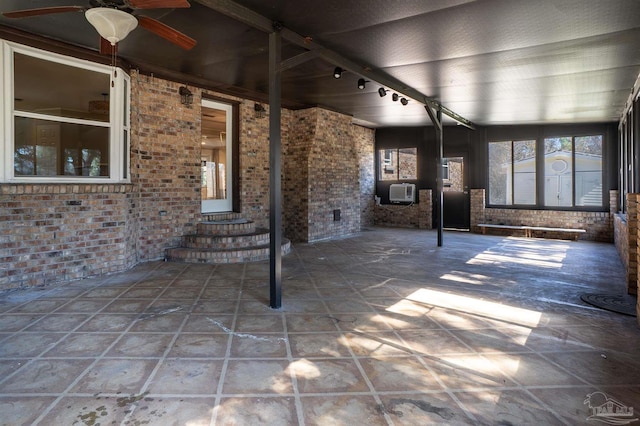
466	372
16	322
398	373
322	376
26	345
310	345
258	345
44	376
343	410
82	345
189	377
23	410
506	407
433	342
199	346
115	375
208	323
191	411
140	345
424	409
310	322
376	344
257	376
259	323
108	323
272	411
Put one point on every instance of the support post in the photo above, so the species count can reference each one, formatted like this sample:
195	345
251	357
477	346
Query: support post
275	167
436	119
439	177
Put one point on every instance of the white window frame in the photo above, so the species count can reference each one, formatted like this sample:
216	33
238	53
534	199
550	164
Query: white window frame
119	122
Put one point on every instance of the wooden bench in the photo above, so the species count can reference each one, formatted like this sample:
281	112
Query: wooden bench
529	230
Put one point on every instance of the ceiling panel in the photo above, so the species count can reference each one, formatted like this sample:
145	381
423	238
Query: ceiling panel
491	61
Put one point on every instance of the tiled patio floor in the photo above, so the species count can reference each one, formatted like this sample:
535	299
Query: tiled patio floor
381	328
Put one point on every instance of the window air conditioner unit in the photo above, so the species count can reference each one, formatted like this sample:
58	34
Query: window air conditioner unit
402	193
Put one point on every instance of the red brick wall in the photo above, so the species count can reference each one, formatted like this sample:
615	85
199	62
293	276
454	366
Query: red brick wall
53	233
325	169
599	225
165	163
56	233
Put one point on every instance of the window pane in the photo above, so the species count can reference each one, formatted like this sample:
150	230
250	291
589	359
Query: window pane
500	173
408	163
388	164
47	148
588	174
524	172
55	89
558	169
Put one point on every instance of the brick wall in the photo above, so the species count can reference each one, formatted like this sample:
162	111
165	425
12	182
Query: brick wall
56	233
52	233
364	140
165	163
327	166
632	238
599	225
407	216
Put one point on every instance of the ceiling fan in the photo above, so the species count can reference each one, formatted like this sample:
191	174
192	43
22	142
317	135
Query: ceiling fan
114	19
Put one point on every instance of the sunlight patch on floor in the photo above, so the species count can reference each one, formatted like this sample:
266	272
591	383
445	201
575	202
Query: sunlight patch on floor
475	306
465	278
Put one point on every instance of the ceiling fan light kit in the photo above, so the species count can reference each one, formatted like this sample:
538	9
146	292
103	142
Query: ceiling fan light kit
112	24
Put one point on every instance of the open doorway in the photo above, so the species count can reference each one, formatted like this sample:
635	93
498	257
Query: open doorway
216	154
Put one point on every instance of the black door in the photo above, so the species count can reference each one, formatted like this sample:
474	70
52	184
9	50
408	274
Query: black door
455	197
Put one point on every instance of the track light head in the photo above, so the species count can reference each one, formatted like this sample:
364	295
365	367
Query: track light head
404	101
382	92
394	97
361	83
337	72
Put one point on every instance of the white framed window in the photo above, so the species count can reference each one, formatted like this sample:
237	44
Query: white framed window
64	120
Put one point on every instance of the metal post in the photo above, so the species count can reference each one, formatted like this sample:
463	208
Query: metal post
439	177
275	166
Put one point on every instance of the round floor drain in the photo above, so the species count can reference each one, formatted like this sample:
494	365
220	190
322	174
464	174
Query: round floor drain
620	303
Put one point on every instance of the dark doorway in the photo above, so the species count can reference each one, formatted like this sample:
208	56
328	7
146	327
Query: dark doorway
455	195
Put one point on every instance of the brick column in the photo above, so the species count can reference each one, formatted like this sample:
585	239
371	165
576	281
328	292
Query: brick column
425	215
632	226
477	209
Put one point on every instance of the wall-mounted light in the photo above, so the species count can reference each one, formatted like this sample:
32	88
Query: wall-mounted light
404	101
186	97
361	83
382	92
395	97
337	72
260	111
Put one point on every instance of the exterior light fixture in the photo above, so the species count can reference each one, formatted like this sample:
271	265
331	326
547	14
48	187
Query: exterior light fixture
337	72
361	83
382	92
112	24
395	97
186	97
404	101
260	111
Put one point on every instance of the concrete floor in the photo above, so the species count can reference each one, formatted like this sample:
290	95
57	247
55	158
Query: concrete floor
381	328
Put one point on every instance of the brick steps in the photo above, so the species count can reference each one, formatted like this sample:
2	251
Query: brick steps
224	238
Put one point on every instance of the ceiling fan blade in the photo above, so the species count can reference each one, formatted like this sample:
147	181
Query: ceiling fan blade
166	32
158	4
43	11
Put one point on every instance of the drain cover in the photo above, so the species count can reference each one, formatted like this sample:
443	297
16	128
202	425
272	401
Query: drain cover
620	303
